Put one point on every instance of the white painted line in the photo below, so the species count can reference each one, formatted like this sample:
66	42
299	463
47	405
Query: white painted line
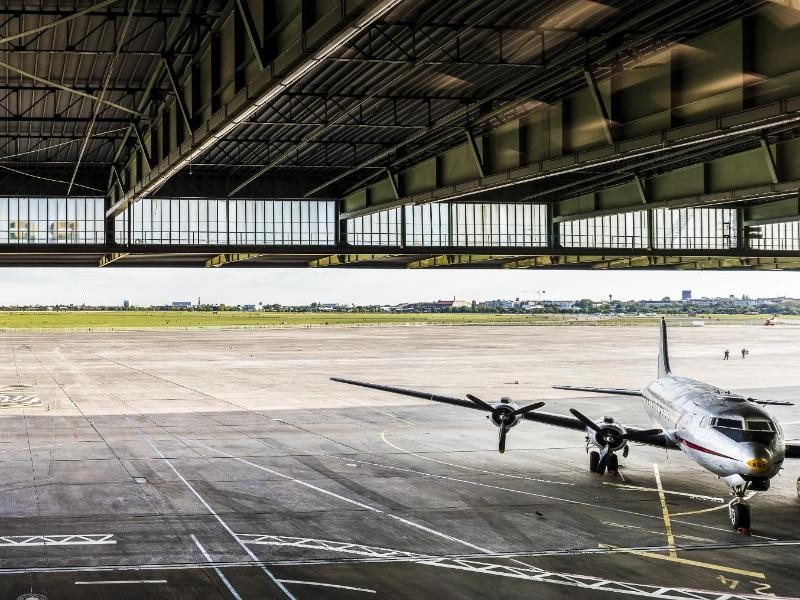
442	462
547	497
218	571
18	400
219	519
330	585
693	538
641	488
333	546
89	539
723	507
344	499
122	582
26	449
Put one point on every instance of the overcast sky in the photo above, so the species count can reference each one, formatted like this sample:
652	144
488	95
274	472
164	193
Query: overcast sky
370	286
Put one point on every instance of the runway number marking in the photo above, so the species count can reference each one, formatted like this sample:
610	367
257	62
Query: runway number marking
730	583
762	588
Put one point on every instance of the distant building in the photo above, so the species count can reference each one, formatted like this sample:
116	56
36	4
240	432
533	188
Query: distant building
560	304
499	304
452	304
686	295
126	304
182	304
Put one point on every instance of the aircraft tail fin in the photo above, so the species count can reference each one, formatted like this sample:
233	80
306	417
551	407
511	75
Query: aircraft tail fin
663	351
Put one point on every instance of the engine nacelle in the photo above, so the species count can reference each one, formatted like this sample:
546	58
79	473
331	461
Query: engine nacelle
504	407
611	435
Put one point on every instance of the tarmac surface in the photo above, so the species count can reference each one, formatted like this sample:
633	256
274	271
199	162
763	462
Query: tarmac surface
225	464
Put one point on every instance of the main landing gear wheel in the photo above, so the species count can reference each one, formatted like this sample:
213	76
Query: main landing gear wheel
612	464
594	460
739	514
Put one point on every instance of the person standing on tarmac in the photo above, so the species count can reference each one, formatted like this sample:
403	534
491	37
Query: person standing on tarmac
744	353
727	354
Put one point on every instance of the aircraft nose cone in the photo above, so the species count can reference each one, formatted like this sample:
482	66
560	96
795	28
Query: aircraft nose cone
759	459
758	465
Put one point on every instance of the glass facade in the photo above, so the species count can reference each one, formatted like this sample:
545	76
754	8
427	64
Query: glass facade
695	228
777	236
52	220
378	229
457	224
205	221
499	224
625	230
677	228
428	225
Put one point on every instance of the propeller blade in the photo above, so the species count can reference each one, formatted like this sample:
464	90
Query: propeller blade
601	465
503	432
527	409
480	403
585	420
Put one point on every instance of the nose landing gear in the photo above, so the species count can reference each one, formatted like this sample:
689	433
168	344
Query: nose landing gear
739	510
611	464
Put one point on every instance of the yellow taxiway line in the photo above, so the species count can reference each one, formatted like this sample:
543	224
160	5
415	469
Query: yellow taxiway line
665	513
687	561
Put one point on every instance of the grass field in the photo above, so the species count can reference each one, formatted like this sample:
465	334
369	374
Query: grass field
176	319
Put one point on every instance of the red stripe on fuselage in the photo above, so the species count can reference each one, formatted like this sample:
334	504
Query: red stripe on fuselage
694	446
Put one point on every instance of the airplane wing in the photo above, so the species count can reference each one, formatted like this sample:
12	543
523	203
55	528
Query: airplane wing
793	450
412	393
569	422
599	390
771	402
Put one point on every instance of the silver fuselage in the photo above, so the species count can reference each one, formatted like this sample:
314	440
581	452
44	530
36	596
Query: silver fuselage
685	409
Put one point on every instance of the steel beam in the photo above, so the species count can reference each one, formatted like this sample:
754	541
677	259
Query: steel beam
66	19
224	259
463	113
179	98
251	31
450	260
112	258
263	91
347	259
476	155
621	155
53	84
142	146
527	263
770	160
599	105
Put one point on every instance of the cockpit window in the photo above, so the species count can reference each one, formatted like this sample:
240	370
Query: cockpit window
729	423
761	431
760	425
